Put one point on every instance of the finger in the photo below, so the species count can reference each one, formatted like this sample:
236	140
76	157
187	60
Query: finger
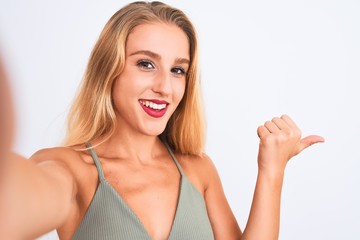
310	140
271	126
289	121
281	124
262	131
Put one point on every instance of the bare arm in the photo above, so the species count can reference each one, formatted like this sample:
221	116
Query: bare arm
280	140
38	196
34	197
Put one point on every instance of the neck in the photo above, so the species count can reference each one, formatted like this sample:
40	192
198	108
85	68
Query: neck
137	147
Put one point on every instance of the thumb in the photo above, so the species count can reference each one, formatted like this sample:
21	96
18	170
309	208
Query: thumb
310	140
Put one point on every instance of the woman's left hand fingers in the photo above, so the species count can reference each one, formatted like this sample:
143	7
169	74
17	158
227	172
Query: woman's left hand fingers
288	121
280	140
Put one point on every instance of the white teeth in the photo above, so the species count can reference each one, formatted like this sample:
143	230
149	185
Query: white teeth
153	105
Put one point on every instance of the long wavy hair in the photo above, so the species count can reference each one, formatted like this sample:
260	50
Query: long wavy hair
92	116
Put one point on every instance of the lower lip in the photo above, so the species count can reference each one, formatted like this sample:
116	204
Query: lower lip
154	113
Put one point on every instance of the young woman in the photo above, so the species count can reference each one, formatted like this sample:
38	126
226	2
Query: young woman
133	165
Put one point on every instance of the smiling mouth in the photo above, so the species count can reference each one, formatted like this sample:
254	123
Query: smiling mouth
153	105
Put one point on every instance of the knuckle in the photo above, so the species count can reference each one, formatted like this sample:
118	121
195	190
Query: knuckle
282	138
294	134
260	128
284	116
275	119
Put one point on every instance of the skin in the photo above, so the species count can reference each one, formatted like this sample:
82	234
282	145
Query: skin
6	114
59	183
7	157
5	141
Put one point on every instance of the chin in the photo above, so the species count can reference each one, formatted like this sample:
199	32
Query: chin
154	133
153	128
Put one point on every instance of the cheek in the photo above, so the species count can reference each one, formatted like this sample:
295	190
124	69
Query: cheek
124	86
120	94
115	92
179	89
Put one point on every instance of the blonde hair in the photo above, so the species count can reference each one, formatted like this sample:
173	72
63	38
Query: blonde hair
92	116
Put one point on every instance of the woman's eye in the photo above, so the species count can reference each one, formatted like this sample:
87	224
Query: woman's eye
145	64
178	71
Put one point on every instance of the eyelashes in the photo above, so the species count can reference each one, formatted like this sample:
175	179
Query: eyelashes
148	65
178	71
145	64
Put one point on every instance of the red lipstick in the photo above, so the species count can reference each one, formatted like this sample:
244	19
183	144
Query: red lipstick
154	107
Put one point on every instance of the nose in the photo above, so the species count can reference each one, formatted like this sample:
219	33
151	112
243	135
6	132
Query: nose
162	83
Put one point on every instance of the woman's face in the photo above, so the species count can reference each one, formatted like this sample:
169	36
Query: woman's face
153	81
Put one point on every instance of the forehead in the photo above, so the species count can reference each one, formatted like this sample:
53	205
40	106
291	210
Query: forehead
164	39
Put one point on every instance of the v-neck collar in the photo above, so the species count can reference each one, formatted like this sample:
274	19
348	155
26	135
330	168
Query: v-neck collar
103	180
136	218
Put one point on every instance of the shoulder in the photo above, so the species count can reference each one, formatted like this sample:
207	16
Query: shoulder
55	154
199	169
71	165
65	155
57	160
196	162
74	163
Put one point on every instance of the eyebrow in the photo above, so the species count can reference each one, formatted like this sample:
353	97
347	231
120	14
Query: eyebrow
157	56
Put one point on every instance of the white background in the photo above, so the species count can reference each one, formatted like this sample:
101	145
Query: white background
259	59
